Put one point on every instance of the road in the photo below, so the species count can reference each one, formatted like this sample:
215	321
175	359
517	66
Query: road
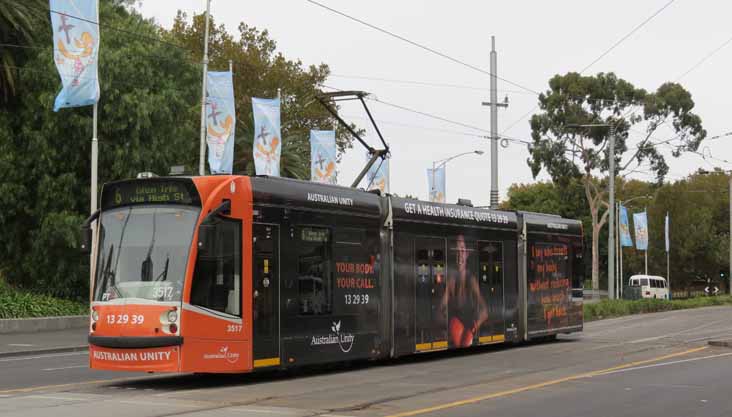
650	365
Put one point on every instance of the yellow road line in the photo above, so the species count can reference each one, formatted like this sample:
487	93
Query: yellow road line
539	385
72	384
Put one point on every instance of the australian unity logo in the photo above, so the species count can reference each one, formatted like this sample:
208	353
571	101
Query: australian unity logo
223	353
336	337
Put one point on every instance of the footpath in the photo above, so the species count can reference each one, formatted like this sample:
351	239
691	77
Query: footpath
43	342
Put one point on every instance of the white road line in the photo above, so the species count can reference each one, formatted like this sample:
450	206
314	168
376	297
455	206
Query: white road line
280	411
66	367
20	344
51	355
56	397
656	365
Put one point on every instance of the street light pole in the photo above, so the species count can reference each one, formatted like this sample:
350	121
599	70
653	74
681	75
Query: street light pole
441	163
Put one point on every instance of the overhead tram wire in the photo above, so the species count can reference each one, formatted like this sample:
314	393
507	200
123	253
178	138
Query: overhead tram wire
425	83
440	118
419	45
596	60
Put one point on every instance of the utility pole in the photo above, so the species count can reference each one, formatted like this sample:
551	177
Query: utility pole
494	105
611	220
202	150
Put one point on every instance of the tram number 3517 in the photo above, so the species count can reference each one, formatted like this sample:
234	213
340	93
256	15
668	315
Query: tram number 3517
356	299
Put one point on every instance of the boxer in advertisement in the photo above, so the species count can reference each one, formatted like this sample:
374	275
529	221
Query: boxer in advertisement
466	308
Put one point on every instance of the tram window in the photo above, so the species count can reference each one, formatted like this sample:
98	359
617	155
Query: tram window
217	276
314	271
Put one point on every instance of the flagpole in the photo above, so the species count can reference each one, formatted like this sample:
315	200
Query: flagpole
94	158
645	210
668	258
202	150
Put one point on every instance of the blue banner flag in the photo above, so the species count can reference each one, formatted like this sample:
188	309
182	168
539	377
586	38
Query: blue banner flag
625	239
640	221
220	121
323	156
668	242
436	184
76	51
377	176
267	137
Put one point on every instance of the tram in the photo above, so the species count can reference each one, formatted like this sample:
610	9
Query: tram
230	274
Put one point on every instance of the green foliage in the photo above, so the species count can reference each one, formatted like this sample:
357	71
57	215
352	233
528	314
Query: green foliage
616	308
259	71
568	147
19	25
45	156
149	115
21	304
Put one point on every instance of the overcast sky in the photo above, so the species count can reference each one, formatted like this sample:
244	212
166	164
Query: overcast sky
535	40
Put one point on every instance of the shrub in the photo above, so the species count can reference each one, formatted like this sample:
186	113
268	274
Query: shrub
616	308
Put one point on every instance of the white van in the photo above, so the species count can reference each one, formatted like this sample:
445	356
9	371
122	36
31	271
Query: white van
651	286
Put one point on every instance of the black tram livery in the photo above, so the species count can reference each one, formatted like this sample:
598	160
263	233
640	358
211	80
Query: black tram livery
282	272
367	276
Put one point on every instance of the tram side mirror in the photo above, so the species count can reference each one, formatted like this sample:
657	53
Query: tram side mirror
85	245
206	239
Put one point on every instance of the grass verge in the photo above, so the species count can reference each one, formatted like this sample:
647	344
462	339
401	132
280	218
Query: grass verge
16	304
615	308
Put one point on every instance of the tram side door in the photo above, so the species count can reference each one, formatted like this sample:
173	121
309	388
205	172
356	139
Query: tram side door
431	314
265	291
490	260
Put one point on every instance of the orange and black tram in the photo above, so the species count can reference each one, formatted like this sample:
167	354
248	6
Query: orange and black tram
236	273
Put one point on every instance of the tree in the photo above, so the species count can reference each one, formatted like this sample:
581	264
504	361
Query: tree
259	71
147	89
20	24
567	152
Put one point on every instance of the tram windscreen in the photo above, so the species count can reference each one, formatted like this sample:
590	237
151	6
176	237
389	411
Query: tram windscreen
143	252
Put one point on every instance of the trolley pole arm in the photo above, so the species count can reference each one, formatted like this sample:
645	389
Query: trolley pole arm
332	111
373	122
375	154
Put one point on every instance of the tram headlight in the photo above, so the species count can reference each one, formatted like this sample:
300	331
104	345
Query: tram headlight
94	315
172	316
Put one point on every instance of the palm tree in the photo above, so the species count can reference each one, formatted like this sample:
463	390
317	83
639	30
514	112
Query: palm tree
20	23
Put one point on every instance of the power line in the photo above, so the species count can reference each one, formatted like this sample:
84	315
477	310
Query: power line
418	45
615	45
629	34
703	60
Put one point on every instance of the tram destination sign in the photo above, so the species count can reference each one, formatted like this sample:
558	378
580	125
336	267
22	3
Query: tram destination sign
164	191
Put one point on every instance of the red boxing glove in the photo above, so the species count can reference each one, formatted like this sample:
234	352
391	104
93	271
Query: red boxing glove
456	330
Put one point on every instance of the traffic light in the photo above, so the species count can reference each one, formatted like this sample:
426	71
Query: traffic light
722	274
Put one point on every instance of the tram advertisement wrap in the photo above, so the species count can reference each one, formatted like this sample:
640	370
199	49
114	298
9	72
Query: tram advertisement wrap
549	287
466	307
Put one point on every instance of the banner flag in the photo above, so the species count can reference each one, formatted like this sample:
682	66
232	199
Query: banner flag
625	238
640	221
267	137
75	50
220	121
323	156
377	176
436	184
668	243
